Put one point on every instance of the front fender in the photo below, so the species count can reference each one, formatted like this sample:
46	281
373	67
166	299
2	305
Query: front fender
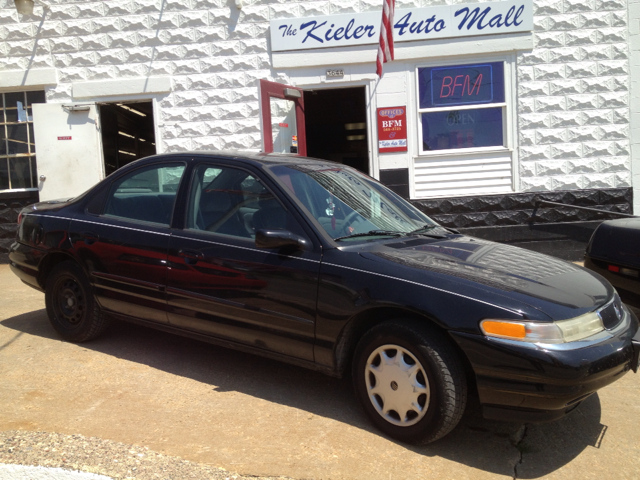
354	294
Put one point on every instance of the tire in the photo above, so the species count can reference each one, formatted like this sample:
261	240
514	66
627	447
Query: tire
71	306
431	398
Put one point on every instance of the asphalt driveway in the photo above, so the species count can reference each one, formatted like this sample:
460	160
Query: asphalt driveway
222	408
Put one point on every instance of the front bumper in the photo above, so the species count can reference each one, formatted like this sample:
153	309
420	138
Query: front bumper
536	383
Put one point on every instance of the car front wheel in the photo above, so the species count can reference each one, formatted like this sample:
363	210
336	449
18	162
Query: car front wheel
71	307
410	381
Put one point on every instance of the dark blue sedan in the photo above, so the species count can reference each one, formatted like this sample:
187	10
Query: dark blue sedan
313	263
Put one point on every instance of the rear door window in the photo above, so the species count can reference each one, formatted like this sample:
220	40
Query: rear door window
146	194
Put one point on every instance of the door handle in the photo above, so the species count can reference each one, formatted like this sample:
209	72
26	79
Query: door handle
190	256
89	237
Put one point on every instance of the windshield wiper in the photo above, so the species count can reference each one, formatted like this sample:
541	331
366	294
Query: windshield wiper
372	233
425	228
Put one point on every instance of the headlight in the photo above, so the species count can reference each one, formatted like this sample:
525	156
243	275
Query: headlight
561	331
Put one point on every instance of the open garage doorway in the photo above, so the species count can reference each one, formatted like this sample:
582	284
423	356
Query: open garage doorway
128	133
336	126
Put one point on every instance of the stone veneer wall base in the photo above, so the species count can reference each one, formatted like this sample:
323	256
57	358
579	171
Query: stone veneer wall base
10	206
519	219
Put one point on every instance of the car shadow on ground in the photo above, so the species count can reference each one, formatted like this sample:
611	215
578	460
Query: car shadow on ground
229	370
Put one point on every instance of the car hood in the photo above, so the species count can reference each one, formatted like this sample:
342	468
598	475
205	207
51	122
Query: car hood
533	278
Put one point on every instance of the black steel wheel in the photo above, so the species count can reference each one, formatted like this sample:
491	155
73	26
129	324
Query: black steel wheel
71	307
410	381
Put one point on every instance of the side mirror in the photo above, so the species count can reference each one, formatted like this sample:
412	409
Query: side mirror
280	239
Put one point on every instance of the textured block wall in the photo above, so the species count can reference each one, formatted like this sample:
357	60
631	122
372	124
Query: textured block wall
634	100
573	97
573	88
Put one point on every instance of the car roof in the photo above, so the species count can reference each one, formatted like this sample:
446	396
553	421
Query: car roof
259	158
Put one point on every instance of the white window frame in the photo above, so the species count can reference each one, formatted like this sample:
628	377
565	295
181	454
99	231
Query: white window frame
509	109
506	137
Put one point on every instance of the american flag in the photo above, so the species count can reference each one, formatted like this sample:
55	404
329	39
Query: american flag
385	49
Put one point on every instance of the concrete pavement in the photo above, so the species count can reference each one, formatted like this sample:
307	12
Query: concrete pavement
21	472
258	417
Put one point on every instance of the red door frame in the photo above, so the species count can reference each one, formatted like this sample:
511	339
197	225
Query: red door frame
278	90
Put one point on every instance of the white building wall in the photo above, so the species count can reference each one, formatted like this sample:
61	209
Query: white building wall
574	97
634	100
573	87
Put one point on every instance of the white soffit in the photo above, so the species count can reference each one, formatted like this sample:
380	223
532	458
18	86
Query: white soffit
426	50
28	78
126	86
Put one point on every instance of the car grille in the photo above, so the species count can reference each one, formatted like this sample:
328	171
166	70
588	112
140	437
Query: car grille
612	313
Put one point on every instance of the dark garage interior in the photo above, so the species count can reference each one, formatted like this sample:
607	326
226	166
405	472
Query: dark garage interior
127	133
336	126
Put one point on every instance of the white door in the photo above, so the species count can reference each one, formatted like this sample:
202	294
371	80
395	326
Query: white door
68	149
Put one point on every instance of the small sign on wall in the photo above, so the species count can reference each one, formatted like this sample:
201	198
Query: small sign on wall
392	129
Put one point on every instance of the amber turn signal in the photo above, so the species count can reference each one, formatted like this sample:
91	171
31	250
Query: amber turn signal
504	329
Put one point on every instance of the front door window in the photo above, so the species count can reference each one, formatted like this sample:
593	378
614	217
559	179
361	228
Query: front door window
231	201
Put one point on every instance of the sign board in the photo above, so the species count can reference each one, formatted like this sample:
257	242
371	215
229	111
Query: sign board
471	84
460	85
392	129
410	24
335	73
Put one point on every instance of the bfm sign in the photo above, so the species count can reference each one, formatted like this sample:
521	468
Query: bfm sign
392	129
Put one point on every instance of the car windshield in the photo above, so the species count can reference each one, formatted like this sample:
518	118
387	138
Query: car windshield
350	205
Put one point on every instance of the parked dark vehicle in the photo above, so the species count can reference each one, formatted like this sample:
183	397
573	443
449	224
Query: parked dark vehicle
614	252
316	264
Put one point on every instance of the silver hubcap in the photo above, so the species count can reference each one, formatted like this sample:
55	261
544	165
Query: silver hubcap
397	385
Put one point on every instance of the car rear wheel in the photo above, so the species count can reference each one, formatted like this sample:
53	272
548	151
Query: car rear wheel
410	381
71	307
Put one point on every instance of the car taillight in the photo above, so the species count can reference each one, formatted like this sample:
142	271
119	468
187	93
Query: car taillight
624	271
